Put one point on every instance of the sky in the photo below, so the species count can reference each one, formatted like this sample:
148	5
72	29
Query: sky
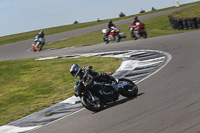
17	16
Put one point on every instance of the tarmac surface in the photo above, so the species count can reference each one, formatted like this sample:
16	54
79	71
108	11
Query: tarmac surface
169	103
169	100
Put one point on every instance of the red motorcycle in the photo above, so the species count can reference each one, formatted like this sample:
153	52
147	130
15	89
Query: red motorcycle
114	35
138	31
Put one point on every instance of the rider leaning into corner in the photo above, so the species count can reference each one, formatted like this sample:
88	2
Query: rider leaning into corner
110	25
87	75
40	35
135	20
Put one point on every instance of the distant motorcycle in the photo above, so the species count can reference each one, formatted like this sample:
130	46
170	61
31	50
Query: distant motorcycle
114	35
38	43
100	93
138	31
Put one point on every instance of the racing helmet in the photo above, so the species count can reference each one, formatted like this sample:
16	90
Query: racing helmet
135	18
41	32
75	70
109	21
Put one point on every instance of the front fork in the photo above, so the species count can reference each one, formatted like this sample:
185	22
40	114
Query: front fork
94	98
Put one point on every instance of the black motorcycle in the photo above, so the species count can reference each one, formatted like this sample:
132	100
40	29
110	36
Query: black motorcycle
99	94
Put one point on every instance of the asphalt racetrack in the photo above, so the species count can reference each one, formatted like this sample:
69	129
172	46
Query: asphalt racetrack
168	101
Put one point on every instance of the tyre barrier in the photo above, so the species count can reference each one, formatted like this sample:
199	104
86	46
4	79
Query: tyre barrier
185	23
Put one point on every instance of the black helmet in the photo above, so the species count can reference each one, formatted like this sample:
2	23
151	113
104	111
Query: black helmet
75	70
110	21
135	18
41	32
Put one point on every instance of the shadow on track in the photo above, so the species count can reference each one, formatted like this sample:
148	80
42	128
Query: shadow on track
121	101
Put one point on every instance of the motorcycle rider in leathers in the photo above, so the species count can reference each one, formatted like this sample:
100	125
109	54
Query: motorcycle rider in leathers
135	19
40	35
87	75
110	24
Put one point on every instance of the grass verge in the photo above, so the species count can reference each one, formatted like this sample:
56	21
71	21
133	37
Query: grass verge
157	26
27	86
188	12
49	31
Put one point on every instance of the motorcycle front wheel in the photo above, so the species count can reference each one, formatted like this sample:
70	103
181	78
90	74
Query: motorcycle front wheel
40	46
94	106
34	49
133	35
118	38
144	34
105	39
130	90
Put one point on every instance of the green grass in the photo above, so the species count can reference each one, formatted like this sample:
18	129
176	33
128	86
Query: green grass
27	85
53	30
82	40
157	26
48	31
187	13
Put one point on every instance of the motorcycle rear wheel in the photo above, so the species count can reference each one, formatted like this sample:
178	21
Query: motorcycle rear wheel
131	90
144	34
94	106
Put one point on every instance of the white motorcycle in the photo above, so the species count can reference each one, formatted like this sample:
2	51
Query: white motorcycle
114	35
